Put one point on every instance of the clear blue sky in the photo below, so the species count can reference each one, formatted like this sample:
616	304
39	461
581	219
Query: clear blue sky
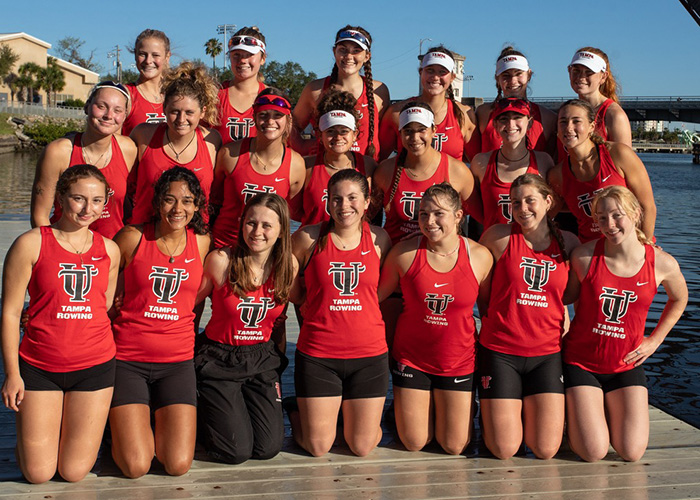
653	44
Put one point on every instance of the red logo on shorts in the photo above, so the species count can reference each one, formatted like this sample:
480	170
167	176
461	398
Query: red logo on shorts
486	382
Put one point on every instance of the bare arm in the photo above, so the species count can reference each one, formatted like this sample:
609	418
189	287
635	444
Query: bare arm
638	182
618	125
52	162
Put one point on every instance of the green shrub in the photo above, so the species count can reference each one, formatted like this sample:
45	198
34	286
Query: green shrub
43	133
72	103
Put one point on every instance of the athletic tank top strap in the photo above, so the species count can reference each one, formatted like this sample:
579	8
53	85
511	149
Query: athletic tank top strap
600	127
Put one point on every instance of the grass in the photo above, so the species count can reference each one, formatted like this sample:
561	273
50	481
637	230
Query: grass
5	128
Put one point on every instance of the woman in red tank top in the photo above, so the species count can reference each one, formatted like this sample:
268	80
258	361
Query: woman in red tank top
615	279
341	357
593	164
592	79
152	55
242	356
441	275
352	53
520	374
513	75
247	52
190	97
59	380
496	170
260	164
100	145
455	122
338	129
161	263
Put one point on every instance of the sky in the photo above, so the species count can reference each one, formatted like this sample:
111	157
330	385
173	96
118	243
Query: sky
652	44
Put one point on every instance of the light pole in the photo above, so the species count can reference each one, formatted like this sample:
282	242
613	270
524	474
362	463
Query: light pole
117	63
225	29
420	53
468	78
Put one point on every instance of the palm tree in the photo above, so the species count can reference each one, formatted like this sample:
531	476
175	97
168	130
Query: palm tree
29	74
8	58
213	48
52	79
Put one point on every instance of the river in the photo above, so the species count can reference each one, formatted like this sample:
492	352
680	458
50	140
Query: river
673	371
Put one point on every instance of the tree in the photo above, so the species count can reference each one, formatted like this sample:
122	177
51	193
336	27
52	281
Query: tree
289	77
11	81
8	58
29	79
52	79
213	48
128	76
69	48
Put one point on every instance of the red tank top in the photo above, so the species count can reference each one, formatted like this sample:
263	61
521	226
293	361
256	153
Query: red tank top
342	318
235	125
600	127
495	194
402	218
155	162
116	173
362	107
612	310
435	332
68	327
142	111
315	194
526	313
240	185
490	139
156	322
247	320
579	195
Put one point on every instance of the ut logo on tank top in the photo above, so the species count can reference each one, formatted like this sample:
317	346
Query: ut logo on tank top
614	305
346	277
155	118
167	284
251	189
438	303
439	140
409	204
324	201
77	281
238	128
506	207
585	201
252	313
536	275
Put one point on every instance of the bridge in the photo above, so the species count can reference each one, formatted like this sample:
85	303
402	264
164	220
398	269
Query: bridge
669	109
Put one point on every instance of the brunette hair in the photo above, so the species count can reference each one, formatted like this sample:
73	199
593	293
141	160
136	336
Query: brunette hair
590	114
445	193
239	276
610	87
536	181
277	92
627	202
348	174
369	85
181	174
194	81
338	100
450	92
253	31
73	174
508	50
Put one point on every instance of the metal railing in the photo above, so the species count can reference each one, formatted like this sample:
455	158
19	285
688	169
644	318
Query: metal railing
26	109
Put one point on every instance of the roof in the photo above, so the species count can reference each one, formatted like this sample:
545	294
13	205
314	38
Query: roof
74	67
21	34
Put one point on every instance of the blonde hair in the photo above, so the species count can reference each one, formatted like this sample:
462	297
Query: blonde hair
193	80
627	202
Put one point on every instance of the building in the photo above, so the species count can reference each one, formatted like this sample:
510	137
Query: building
79	80
648	126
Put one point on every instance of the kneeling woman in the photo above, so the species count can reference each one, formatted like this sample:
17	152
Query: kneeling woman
240	411
615	279
341	357
162	268
441	275
522	391
63	372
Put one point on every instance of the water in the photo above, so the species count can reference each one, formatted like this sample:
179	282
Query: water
673	371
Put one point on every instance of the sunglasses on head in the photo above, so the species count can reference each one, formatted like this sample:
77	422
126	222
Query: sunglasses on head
353	35
280	102
248	41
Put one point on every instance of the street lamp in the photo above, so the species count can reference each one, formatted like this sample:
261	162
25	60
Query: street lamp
468	78
225	29
420	53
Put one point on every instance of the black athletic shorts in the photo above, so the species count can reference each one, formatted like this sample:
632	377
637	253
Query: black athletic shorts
575	376
350	378
90	379
506	376
411	378
155	384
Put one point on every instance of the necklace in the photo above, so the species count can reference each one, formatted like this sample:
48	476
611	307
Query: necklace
440	254
172	257
342	243
78	252
415	175
170	144
262	163
333	167
527	152
86	156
